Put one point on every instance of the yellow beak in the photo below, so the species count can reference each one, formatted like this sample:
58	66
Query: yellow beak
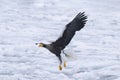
40	45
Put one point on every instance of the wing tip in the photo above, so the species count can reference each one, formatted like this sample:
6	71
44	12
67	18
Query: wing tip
81	15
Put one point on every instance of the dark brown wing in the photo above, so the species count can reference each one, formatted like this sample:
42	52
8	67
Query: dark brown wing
75	25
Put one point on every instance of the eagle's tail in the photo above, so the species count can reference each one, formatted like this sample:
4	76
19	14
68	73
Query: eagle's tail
70	56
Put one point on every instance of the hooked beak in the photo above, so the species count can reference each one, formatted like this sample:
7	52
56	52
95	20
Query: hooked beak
39	44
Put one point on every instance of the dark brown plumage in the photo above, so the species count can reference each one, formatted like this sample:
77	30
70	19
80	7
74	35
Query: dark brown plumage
57	46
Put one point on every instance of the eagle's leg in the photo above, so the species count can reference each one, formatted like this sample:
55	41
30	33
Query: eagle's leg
59	57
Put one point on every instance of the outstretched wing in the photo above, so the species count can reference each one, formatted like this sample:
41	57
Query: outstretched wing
75	25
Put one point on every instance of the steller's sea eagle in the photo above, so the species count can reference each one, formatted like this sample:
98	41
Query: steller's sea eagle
58	46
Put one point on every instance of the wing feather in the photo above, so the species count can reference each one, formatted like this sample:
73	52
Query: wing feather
75	25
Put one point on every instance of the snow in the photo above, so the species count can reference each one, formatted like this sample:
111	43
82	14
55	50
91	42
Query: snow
95	48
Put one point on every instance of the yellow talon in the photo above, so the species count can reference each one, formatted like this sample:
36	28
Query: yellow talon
65	64
60	67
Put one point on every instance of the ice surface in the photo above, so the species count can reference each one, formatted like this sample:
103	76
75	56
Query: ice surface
96	46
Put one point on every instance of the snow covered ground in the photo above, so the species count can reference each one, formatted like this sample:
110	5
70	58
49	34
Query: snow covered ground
96	46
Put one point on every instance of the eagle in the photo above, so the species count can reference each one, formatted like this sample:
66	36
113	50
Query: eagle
57	47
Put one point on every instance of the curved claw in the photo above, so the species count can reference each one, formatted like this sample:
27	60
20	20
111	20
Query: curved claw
65	64
60	67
